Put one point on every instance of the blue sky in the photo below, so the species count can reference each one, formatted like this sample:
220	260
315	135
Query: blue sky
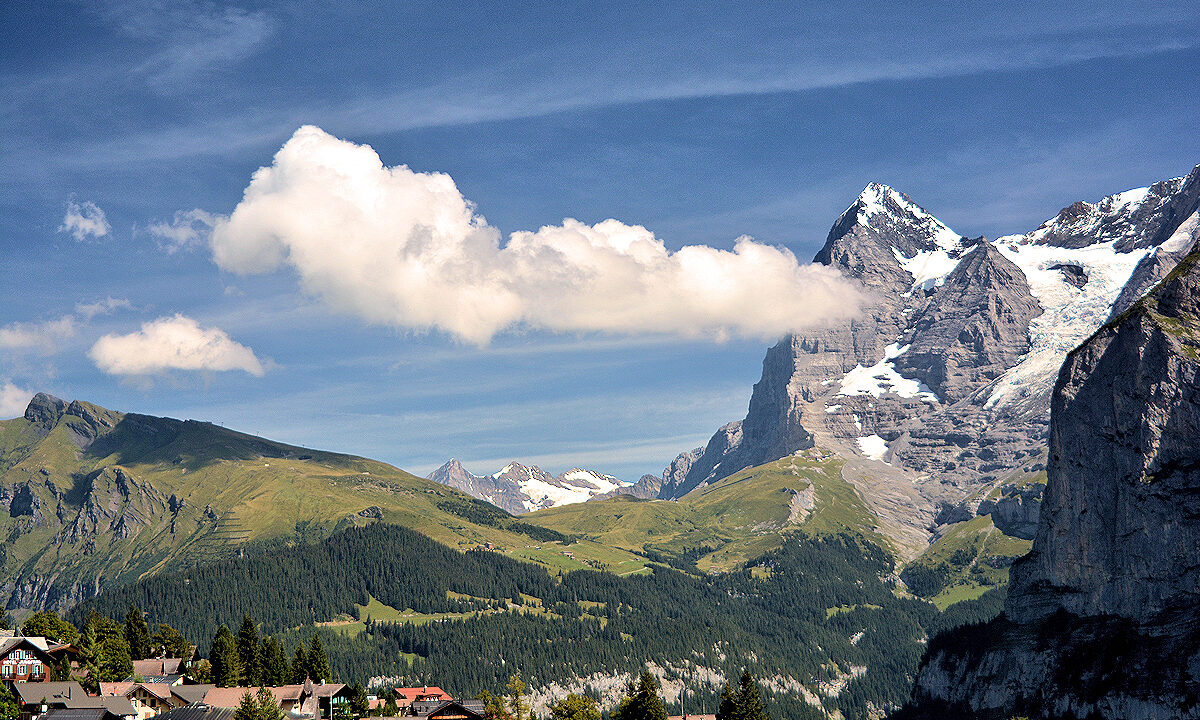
701	122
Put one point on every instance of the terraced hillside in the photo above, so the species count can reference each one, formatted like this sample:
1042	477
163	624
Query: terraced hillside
91	498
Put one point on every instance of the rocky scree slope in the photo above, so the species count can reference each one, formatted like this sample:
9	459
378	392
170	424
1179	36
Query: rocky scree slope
939	393
1101	618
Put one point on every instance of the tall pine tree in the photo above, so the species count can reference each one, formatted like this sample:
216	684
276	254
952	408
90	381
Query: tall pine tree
299	663
226	665
728	709
641	701
274	666
749	699
137	634
318	663
248	652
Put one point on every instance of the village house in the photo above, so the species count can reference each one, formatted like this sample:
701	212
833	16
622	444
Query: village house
453	710
309	700
151	699
35	699
406	696
30	659
159	670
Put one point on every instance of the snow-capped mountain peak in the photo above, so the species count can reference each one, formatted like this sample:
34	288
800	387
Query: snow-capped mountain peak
520	488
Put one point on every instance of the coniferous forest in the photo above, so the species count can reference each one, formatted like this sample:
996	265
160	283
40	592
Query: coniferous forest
819	610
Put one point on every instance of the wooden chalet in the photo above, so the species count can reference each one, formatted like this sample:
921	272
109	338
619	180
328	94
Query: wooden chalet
31	659
406	696
454	710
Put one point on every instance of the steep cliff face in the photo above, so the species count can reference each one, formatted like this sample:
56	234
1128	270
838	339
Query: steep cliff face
1101	618
1121	534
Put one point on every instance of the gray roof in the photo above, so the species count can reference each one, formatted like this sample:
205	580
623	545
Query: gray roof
79	714
33	692
70	695
191	693
198	711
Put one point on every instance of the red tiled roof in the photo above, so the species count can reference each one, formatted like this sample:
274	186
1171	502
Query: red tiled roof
411	694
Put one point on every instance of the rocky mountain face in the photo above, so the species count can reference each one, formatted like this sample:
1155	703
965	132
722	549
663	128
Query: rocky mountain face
520	489
940	392
1101	618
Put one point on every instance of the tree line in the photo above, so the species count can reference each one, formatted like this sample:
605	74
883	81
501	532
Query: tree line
811	611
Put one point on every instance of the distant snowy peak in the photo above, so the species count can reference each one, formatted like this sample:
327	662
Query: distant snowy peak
522	488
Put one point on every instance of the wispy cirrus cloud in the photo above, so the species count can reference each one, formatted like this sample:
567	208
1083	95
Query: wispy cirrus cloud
189	38
187	229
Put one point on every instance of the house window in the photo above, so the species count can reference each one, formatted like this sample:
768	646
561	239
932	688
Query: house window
7	670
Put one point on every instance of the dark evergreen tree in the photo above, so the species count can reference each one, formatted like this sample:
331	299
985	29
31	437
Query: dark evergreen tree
6	621
749	699
318	663
274	666
137	634
248	652
389	706
641	701
247	708
268	709
299	663
226	670
104	651
360	707
728	709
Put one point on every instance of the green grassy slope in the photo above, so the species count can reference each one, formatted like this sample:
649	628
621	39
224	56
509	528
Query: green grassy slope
97	498
725	524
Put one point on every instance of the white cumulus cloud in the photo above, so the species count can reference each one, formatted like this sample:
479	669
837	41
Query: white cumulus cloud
172	343
84	219
13	400
406	249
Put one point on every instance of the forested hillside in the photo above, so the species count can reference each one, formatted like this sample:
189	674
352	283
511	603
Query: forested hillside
817	618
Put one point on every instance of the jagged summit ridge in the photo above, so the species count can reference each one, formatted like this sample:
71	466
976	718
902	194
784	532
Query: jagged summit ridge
519	488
